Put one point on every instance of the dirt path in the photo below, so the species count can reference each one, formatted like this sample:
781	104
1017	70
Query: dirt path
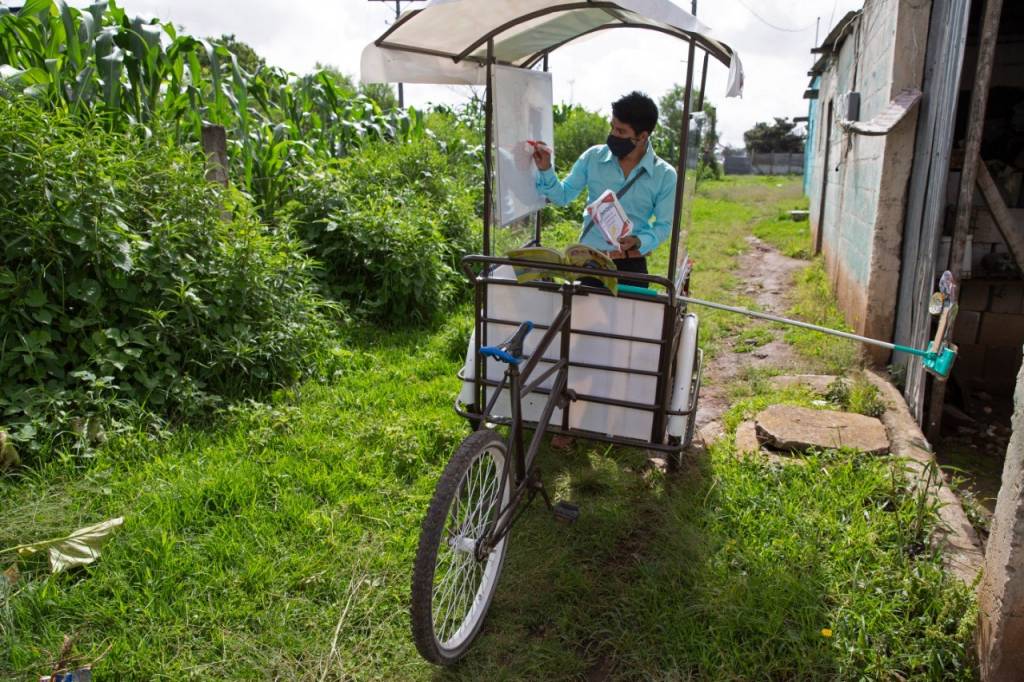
768	276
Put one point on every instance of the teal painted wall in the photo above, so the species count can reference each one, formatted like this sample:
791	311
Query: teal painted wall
812	125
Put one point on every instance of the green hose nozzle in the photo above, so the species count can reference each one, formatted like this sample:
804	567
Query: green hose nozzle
938	363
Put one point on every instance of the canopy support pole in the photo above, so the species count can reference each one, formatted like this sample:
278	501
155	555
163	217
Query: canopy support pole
703	81
488	141
684	140
537	225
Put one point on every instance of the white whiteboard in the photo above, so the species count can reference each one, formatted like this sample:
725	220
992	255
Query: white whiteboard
522	111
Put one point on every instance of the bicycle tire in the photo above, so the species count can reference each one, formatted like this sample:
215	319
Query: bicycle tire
440	647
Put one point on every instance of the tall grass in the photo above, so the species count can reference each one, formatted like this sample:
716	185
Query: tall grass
813	301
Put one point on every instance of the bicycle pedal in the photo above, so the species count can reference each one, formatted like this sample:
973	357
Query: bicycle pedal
566	512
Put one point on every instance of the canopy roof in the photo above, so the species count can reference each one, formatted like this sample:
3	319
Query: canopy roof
446	41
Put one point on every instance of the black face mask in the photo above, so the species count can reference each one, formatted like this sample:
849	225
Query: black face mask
620	146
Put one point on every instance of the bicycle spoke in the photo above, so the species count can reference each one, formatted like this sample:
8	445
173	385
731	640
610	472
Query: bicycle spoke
459	598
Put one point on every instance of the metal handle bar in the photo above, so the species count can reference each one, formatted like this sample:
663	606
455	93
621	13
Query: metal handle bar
798	323
937	358
467	261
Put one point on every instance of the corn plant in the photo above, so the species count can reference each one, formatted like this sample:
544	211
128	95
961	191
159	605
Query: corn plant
141	76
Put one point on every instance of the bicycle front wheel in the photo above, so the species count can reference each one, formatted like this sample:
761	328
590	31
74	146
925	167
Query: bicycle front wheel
452	586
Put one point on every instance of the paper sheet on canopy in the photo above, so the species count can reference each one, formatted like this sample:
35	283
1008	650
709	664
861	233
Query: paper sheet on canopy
422	47
523	111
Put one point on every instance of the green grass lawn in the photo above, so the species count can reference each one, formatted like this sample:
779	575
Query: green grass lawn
277	542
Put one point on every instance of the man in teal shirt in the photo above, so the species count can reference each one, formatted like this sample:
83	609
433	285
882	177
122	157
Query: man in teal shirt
627	154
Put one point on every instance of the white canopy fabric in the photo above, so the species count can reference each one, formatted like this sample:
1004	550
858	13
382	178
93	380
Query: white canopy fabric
446	41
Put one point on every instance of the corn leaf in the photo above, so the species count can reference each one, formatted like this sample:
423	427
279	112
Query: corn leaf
74	48
34	7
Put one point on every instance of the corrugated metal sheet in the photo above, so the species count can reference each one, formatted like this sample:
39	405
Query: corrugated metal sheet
926	199
839	32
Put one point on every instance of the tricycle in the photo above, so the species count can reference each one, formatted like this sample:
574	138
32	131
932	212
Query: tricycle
556	355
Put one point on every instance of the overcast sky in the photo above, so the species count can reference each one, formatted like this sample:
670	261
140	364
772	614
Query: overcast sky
296	34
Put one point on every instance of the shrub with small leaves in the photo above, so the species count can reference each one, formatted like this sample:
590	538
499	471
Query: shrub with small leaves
389	225
121	286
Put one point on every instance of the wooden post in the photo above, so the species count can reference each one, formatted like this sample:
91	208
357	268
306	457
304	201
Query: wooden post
1001	215
215	145
1001	594
968	177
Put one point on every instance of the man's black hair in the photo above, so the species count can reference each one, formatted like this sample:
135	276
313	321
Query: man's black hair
636	110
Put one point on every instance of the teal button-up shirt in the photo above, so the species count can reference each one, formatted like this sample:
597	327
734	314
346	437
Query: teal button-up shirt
648	203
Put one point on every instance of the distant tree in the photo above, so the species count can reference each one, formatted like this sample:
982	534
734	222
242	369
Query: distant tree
576	130
729	150
248	58
774	137
381	93
342	81
666	143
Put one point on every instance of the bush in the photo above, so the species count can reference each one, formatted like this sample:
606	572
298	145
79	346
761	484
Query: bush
576	131
122	287
389	225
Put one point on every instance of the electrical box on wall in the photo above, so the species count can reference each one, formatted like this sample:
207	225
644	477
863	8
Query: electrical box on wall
848	106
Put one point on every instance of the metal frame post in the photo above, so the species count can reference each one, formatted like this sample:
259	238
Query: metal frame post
479	362
664	386
480	311
488	143
684	140
703	81
537	224
566	346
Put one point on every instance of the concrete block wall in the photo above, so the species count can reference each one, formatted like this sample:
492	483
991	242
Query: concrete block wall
861	226
988	332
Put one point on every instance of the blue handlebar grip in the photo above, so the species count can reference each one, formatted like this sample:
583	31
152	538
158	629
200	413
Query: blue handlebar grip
495	352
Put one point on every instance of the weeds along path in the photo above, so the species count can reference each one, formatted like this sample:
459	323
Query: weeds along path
734	266
766	278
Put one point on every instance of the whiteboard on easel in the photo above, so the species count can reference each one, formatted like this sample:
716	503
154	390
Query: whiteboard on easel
522	111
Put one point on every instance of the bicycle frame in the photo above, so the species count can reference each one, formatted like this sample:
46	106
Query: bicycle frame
522	473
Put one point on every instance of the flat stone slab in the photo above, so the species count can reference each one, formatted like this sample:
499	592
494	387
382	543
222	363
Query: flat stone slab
747	445
819	383
797	429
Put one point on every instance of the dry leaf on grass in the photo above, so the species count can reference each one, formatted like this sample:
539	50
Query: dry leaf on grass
78	549
11	575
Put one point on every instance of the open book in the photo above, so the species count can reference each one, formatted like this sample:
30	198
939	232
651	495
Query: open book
578	255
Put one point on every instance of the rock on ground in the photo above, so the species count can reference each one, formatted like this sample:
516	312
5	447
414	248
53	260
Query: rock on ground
710	432
746	438
784	427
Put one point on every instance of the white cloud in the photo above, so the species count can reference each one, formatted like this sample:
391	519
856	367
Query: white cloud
298	34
